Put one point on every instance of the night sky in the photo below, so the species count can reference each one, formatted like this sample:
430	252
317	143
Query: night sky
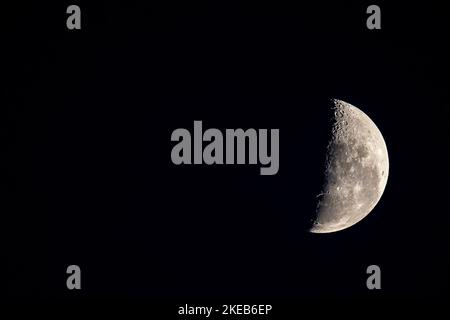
89	179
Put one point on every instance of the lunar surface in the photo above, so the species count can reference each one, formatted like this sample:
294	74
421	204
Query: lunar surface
356	172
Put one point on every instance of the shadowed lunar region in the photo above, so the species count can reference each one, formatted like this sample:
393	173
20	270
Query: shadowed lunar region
356	172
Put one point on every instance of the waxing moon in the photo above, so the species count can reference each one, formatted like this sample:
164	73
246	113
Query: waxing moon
356	171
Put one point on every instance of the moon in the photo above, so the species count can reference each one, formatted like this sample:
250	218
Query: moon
356	171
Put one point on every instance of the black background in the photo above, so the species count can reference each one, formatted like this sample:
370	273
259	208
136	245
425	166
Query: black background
89	179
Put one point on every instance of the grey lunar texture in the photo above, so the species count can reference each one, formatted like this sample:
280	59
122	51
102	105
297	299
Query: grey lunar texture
357	168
